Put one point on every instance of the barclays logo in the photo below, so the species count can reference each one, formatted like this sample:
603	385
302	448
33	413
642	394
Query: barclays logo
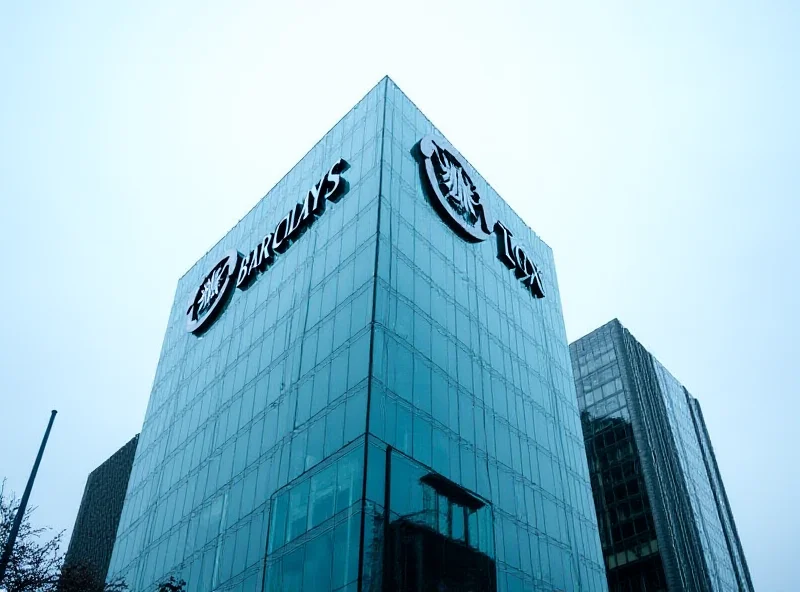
452	191
455	197
214	292
240	271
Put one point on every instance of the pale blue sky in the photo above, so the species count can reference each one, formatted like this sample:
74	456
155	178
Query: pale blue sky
653	145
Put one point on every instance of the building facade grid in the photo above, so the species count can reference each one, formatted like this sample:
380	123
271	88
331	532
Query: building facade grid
665	523
383	379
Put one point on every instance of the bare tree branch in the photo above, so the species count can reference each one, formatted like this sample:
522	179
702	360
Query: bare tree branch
36	563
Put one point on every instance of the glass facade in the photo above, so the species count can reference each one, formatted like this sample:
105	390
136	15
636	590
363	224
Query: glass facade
664	519
386	407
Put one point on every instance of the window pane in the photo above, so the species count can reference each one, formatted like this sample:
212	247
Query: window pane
279	511
293	571
298	511
323	486
348	486
345	551
319	560
376	474
458	522
274	583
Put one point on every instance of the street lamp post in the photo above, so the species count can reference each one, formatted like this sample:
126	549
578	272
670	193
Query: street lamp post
23	504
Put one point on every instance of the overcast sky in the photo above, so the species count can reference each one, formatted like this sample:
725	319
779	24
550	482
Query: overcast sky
654	145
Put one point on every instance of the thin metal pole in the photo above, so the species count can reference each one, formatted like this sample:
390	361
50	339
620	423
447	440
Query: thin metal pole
23	504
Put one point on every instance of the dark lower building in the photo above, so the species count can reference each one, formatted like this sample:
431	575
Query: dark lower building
664	519
95	528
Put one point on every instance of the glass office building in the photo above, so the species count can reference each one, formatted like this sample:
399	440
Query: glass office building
366	385
664	519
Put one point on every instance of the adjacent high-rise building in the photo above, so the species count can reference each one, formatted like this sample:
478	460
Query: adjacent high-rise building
664	519
366	385
95	528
